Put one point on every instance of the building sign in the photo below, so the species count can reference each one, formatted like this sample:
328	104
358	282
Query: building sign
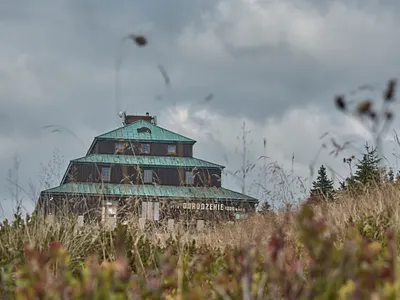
210	206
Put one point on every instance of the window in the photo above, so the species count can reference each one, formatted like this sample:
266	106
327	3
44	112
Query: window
109	213
144	129
148	176
119	147
171	149
189	177
151	211
105	173
145	148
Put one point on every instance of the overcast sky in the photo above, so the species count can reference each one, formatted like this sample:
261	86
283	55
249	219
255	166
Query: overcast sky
275	64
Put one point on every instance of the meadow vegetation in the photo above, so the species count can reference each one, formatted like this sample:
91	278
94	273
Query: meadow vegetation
341	249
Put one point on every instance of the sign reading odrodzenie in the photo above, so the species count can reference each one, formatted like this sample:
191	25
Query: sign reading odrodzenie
210	206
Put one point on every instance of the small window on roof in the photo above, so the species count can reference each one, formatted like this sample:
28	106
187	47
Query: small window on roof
143	129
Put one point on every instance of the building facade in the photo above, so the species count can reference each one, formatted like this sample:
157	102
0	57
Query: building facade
144	170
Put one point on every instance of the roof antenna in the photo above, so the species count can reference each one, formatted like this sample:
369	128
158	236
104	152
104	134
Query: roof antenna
122	115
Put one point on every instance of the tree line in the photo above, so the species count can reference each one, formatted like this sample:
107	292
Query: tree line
364	174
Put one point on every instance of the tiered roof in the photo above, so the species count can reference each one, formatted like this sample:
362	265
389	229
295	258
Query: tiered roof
143	131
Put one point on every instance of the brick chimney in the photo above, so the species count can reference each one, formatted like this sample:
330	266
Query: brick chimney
133	118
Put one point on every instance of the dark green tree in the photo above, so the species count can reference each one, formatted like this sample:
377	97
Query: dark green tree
390	175
265	207
368	169
323	186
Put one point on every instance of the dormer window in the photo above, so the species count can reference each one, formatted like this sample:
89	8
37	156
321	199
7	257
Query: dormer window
144	129
171	149
145	148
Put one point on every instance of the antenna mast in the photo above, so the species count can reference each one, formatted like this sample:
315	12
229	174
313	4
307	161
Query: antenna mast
122	115
265	166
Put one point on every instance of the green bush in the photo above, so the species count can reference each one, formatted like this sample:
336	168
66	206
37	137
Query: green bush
374	227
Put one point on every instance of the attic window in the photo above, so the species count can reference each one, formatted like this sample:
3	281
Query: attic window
144	129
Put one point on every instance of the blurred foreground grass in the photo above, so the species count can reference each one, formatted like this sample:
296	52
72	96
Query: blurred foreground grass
346	249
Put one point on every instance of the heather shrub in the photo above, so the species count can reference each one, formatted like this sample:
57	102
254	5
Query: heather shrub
374	227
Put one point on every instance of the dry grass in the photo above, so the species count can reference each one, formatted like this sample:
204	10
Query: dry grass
254	231
258	229
260	233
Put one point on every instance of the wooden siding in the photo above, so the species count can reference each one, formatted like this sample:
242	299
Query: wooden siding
156	149
129	174
204	177
64	205
90	208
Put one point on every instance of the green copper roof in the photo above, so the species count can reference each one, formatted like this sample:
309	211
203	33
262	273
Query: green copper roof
158	134
148	191
163	161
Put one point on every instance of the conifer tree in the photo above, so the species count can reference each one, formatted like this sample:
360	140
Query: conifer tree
265	207
368	169
390	175
323	186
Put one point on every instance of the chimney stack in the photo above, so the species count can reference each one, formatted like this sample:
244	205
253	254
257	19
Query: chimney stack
134	118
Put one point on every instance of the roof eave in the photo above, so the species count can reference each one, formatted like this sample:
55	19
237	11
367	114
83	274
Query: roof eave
66	173
80	160
91	146
144	165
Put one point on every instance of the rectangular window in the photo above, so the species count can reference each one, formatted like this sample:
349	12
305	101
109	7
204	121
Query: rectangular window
119	147
145	148
144	209
105	174
189	177
148	176
156	211
151	210
109	213
171	149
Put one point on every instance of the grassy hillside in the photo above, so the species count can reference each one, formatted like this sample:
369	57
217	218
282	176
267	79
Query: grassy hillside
341	250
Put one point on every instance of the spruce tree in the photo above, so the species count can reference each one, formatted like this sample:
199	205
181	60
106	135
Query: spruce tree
323	186
368	169
390	175
265	208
